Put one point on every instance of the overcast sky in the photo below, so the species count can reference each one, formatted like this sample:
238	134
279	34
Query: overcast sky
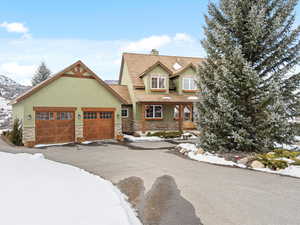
96	32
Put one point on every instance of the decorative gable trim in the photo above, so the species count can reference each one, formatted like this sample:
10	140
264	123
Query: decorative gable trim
76	72
158	63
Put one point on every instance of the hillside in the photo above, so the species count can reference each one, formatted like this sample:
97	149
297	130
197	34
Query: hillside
10	89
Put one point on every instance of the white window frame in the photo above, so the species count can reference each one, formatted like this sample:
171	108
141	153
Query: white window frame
158	77
127	112
190	79
154	117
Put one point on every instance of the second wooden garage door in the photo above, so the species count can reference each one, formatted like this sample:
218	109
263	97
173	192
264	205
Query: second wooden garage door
98	125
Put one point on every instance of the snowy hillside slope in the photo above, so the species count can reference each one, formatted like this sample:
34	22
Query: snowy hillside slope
10	89
5	113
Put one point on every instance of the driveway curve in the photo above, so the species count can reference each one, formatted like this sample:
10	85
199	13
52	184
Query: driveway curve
186	192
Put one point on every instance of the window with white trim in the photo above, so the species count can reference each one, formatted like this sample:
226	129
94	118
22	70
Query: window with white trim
124	113
158	82
189	84
154	112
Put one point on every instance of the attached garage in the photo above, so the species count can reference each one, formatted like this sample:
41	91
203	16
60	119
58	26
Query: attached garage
54	125
98	123
74	105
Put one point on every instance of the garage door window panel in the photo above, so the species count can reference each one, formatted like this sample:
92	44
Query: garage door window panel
105	115
90	115
64	115
44	116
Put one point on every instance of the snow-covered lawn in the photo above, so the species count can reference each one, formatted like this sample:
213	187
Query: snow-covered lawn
191	151
37	191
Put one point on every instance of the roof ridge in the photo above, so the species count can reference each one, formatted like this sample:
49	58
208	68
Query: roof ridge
133	53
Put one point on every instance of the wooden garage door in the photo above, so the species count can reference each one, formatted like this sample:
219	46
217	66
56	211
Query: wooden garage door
98	125
54	127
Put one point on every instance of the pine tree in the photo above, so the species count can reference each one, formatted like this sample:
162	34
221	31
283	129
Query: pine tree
41	74
16	133
248	86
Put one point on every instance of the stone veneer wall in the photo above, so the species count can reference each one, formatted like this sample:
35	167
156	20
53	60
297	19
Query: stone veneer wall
79	133
156	125
28	136
118	128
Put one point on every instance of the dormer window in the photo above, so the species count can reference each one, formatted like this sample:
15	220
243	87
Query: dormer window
189	84
158	82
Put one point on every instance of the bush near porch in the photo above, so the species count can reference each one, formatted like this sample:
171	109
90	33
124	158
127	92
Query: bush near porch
165	134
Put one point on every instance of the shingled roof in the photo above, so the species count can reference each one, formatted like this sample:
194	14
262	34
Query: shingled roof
138	63
122	90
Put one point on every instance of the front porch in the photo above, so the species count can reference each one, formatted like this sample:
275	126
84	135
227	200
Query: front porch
165	116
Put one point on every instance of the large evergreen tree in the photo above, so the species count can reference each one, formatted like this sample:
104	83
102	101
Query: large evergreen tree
41	74
249	90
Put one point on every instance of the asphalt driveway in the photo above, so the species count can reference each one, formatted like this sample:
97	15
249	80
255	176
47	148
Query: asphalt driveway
171	190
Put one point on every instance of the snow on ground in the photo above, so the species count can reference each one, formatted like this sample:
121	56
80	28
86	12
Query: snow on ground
210	158
145	138
293	171
289	147
185	136
49	145
191	150
206	157
36	191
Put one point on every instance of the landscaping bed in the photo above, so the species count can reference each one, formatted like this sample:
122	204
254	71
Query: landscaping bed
161	136
279	161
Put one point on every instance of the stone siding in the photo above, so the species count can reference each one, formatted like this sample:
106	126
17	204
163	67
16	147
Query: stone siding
118	129
78	132
28	134
156	125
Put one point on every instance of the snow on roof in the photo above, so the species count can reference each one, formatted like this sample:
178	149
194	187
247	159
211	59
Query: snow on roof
192	98
177	66
166	98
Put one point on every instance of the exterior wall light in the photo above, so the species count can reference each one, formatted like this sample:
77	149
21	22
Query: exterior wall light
29	117
79	116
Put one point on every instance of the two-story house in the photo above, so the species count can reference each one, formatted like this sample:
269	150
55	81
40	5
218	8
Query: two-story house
155	92
162	90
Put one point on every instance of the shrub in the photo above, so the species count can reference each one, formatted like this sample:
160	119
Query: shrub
15	135
165	134
270	162
285	153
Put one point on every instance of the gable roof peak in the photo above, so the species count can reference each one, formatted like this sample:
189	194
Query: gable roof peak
60	74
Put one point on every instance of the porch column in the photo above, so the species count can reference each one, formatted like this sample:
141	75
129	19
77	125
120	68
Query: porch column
180	119
143	118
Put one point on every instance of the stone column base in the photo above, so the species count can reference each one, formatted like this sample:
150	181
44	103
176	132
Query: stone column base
28	135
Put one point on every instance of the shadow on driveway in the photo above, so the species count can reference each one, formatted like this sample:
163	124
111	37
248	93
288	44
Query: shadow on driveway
162	205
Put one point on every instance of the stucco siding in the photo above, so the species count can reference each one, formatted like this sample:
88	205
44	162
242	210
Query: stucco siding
18	112
189	73
68	92
156	71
